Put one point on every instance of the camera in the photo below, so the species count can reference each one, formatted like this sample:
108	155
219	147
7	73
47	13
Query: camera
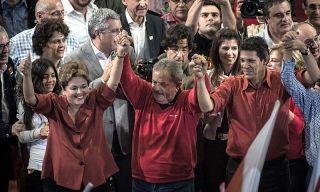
144	69
252	8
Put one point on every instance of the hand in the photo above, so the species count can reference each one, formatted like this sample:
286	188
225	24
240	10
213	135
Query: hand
106	72
222	2
123	41
44	131
25	66
238	11
199	65
18	127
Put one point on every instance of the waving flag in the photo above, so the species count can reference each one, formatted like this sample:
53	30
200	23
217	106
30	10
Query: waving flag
247	176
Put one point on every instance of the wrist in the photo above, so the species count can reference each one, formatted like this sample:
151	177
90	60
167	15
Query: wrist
120	55
305	51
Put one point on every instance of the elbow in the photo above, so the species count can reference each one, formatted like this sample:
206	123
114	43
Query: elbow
207	108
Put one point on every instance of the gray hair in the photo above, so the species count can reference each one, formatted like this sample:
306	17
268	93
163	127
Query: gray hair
173	68
98	20
3	31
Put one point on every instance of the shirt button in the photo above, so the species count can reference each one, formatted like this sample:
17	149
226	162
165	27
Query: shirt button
81	163
78	132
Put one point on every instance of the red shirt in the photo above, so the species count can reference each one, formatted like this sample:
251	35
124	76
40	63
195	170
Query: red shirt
77	153
249	108
296	126
164	140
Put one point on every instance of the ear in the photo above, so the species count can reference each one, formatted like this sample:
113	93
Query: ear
266	19
124	2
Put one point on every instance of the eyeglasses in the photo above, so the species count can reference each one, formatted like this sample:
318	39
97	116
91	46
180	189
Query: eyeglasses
176	50
312	41
57	41
58	13
314	7
113	31
184	1
2	46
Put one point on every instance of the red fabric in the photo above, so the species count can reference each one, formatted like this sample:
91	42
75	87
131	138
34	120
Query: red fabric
63	157
248	110
296	127
164	140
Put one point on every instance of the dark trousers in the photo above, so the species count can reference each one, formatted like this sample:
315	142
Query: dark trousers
50	186
33	182
275	176
298	174
215	163
122	180
5	165
179	186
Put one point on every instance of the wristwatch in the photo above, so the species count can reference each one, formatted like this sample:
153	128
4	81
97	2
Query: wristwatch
305	52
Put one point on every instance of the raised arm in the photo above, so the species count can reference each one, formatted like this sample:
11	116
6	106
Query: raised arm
28	90
228	18
291	43
204	100
123	42
193	15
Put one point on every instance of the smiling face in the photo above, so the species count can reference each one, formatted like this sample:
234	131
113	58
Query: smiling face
228	52
253	68
76	91
54	50
279	19
49	80
164	89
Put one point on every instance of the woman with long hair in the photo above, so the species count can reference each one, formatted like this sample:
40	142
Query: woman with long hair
225	62
45	80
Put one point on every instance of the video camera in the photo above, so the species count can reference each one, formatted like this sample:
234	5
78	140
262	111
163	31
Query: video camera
252	8
144	69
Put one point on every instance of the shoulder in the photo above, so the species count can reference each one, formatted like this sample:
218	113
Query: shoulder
26	34
154	18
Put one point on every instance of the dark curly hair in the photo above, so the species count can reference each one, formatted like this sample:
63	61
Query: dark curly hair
221	36
39	67
73	69
44	31
176	33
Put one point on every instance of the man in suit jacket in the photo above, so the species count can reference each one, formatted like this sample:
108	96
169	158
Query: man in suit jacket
146	30
8	112
96	54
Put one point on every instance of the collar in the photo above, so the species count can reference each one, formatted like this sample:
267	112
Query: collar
97	52
68	8
23	1
130	20
3	68
267	37
266	80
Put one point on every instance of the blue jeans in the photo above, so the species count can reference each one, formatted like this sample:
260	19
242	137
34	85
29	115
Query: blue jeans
180	186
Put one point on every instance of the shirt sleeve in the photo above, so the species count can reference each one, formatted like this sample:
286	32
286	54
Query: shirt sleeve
135	88
44	104
105	96
222	94
29	136
295	88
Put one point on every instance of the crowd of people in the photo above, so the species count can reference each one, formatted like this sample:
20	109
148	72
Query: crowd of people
156	96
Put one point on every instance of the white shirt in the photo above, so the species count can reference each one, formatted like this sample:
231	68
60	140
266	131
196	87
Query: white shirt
138	33
4	106
77	22
265	35
101	56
